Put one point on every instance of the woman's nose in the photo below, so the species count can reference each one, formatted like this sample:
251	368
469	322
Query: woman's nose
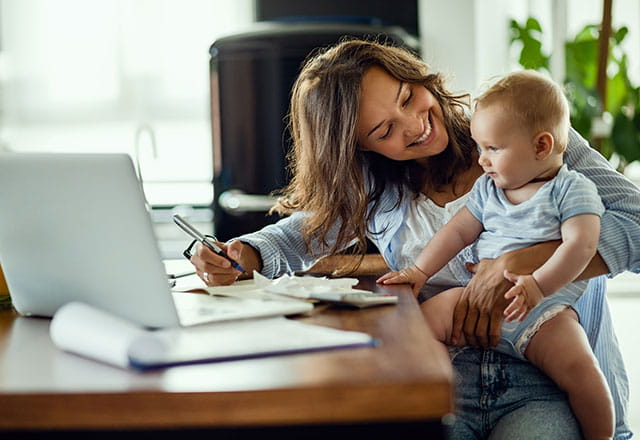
414	125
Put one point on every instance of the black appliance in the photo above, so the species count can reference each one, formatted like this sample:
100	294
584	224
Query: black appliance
251	78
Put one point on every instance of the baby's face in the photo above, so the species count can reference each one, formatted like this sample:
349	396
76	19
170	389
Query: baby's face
507	150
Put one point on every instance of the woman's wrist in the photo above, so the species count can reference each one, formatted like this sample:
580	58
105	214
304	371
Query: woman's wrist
526	260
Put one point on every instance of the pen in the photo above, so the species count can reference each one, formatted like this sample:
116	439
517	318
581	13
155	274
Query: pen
189	229
173	278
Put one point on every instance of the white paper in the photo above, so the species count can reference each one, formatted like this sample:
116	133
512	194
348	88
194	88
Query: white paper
92	333
293	286
304	287
239	339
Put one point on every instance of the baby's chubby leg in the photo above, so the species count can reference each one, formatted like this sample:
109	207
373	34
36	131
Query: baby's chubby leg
438	312
561	349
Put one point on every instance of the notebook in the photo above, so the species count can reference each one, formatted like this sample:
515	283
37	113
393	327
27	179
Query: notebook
74	227
92	333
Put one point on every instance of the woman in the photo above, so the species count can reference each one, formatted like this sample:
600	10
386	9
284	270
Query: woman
382	150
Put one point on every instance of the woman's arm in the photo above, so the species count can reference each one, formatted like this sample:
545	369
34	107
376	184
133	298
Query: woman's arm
274	250
619	243
282	248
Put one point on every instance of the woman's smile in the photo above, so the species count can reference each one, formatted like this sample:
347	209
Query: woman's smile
425	137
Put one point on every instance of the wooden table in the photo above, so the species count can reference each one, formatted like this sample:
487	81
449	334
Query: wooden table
403	385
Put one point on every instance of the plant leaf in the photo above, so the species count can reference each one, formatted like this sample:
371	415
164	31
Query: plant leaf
533	25
619	35
625	138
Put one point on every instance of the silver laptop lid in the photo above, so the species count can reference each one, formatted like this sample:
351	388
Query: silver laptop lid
75	227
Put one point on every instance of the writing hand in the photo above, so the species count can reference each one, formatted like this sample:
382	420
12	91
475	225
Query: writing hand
215	270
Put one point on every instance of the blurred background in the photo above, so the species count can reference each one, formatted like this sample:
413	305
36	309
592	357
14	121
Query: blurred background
196	90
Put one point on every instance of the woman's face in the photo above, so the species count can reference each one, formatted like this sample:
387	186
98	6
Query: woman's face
399	120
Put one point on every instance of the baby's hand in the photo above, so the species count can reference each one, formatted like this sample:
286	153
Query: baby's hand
411	275
526	294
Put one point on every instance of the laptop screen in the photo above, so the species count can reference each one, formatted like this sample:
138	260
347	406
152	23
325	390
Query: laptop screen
75	227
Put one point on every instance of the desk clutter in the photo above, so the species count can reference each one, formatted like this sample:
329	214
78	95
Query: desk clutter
93	333
338	291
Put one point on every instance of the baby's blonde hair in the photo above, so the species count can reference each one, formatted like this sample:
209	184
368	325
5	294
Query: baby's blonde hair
535	101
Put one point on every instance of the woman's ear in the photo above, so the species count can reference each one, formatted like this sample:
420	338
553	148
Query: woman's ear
543	144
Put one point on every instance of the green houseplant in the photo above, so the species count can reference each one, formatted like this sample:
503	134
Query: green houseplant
622	105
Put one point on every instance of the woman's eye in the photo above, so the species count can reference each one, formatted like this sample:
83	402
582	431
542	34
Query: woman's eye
406	101
386	135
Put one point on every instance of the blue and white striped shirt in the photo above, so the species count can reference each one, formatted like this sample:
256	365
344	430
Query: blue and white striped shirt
509	226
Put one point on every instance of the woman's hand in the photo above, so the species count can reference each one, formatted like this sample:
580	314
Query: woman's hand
215	270
480	309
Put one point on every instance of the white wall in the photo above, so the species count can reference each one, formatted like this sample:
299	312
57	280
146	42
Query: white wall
465	39
469	40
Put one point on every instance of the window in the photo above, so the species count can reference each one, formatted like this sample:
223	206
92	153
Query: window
116	76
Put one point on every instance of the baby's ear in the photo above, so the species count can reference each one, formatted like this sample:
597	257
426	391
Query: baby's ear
543	144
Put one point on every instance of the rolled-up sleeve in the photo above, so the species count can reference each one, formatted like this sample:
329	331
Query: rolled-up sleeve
620	224
281	247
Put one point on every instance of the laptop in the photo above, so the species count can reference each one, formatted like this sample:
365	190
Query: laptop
74	227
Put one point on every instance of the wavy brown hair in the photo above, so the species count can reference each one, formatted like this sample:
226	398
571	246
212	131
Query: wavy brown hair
326	165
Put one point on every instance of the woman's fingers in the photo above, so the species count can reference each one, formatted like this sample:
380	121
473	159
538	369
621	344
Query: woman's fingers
459	318
469	327
479	312
212	268
234	250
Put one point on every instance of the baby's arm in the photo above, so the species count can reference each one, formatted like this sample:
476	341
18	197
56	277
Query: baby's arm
580	235
459	232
